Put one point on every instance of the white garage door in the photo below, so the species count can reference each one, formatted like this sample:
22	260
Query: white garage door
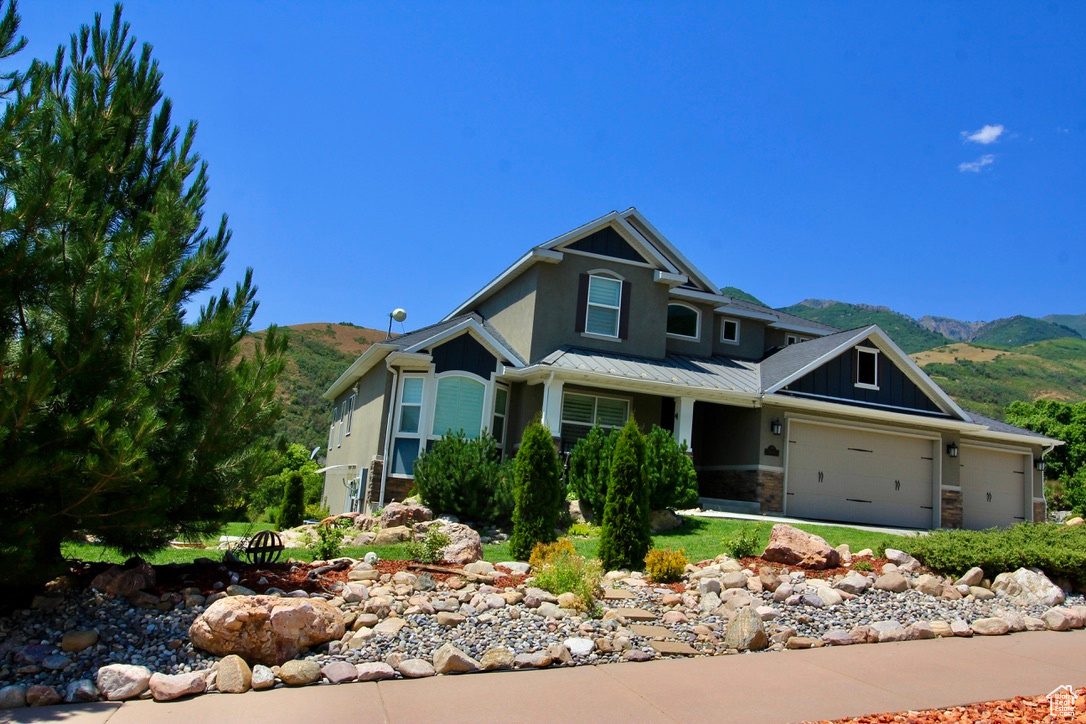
993	487
858	476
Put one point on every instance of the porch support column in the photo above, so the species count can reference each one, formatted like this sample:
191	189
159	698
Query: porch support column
684	426
552	406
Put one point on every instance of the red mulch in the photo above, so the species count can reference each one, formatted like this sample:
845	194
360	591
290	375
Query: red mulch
1018	709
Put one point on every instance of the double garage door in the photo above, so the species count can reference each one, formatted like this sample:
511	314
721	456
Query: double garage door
859	476
993	487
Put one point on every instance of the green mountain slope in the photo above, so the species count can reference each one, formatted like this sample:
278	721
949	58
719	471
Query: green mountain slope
1076	322
1015	331
318	355
909	335
737	293
986	380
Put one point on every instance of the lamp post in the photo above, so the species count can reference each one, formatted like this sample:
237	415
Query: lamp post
398	315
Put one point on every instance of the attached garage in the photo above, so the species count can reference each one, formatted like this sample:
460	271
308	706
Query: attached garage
993	486
859	476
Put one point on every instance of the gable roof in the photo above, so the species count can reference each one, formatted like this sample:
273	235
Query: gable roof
795	361
634	228
419	339
776	319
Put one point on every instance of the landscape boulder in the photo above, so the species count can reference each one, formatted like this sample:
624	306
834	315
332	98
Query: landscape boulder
746	631
122	582
398	514
664	520
265	629
464	547
392	535
1028	587
793	547
167	687
122	681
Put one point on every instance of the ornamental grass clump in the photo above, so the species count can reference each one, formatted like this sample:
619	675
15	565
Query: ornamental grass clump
567	572
664	565
538	492
625	537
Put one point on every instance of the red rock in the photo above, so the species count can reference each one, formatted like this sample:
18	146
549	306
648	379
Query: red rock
794	547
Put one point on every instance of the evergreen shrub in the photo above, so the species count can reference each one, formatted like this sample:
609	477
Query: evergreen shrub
664	565
1058	550
672	480
538	491
590	466
465	477
292	512
624	535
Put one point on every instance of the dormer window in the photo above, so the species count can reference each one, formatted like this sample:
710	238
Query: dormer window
867	368
604	306
729	331
683	321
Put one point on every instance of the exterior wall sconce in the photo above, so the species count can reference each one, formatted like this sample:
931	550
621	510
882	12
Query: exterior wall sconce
1039	463
952	449
775	427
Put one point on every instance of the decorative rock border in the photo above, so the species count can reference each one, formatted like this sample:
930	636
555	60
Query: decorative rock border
92	646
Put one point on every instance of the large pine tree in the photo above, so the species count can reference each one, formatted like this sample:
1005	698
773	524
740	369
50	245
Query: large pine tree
119	417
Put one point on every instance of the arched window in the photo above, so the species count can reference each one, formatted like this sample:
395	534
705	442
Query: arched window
683	320
459	405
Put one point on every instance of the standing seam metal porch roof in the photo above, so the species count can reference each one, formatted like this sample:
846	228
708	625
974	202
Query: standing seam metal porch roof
706	373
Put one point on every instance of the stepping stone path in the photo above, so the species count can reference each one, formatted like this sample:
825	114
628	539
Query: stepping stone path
635	614
616	594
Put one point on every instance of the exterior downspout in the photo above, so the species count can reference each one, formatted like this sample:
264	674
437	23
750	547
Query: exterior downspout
388	431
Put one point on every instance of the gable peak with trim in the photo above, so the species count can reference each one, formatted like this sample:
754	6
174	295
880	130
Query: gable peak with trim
624	235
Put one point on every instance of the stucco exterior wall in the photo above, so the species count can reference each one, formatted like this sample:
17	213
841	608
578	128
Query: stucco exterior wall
372	393
512	310
752	338
554	324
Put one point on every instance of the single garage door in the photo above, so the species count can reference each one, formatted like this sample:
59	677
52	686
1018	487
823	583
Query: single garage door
993	487
858	476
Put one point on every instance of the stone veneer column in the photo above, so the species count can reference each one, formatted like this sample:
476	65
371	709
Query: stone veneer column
951	513
1039	512
771	491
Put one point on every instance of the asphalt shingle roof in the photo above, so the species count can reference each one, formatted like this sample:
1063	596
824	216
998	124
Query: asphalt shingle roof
1000	426
788	360
413	337
790	319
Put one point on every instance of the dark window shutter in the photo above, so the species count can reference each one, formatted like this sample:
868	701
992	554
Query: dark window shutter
582	302
624	312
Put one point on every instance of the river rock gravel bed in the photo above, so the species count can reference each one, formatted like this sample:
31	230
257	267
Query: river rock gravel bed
487	615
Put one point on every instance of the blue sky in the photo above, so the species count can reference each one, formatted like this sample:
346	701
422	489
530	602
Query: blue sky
374	156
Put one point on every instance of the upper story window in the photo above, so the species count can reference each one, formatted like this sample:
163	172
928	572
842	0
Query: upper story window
867	368
793	339
604	306
459	406
683	321
349	413
729	331
405	445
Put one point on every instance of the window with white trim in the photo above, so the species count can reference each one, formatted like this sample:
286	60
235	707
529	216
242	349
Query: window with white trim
683	321
350	414
332	427
604	306
339	426
458	406
581	412
729	331
501	409
405	446
867	368
791	339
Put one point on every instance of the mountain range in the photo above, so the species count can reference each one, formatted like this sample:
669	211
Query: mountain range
983	365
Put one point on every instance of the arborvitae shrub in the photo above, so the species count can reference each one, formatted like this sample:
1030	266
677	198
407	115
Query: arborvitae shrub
669	471
292	511
664	565
465	477
625	538
538	491
590	467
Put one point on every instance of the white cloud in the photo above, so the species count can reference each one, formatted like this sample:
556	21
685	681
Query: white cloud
975	166
986	135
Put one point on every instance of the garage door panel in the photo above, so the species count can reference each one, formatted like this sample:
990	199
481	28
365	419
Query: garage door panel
993	487
860	476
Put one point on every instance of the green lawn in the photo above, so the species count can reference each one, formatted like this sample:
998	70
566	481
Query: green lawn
700	537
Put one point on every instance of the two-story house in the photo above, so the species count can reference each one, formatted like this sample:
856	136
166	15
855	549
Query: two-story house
608	321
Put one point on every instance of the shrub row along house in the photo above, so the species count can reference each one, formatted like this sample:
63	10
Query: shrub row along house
610	320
